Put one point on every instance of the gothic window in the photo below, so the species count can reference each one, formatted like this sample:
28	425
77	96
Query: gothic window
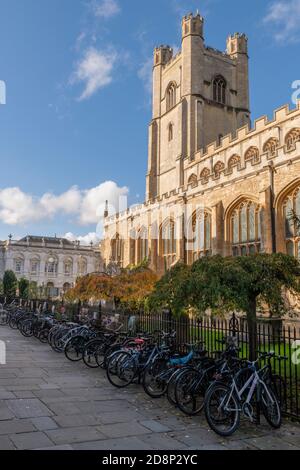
168	243
204	175
291	206
252	155
193	180
201	242
234	161
218	168
171	96
143	245
219	90
245	232
292	137
170	132
271	147
117	249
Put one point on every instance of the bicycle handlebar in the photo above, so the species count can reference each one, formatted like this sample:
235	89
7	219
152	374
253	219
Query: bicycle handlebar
271	354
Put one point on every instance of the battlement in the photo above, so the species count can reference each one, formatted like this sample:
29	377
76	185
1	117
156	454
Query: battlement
162	55
192	25
260	124
237	43
214	152
218	52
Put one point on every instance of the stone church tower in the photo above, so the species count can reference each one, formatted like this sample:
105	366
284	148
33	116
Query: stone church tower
199	96
215	185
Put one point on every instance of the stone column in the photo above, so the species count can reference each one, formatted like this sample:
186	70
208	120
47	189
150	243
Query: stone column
153	254
266	221
27	267
218	245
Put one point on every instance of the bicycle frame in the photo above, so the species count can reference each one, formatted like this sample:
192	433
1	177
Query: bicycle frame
255	382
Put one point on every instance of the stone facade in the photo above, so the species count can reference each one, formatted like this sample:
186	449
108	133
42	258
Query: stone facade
53	263
214	184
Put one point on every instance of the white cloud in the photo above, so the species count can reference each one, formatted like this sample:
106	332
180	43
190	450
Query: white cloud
85	239
93	201
106	8
17	207
94	70
87	206
145	74
67	202
284	19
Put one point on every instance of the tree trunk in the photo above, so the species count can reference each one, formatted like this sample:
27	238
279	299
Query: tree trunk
252	332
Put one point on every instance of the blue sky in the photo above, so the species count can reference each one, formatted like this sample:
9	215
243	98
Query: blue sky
73	131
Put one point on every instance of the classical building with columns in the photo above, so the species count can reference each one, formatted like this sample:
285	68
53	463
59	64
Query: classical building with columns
52	263
215	184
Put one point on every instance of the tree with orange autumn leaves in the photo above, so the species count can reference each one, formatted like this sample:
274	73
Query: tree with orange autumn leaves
130	289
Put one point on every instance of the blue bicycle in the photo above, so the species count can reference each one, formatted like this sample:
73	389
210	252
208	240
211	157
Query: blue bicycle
164	366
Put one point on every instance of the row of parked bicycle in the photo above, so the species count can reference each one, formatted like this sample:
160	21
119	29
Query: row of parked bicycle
221	384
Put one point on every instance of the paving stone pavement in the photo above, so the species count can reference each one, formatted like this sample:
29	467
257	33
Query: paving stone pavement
47	402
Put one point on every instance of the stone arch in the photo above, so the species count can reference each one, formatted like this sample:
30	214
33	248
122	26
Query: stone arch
205	174
291	138
270	147
171	95
35	262
82	266
199	234
242	225
285	191
193	180
219	89
18	263
142	244
234	161
68	266
51	265
252	155
286	202
66	287
167	242
218	168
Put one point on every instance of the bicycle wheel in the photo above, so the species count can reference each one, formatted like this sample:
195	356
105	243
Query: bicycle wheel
172	384
26	328
270	406
221	410
155	378
3	317
121	369
43	335
279	387
13	323
89	353
103	354
190	391
74	348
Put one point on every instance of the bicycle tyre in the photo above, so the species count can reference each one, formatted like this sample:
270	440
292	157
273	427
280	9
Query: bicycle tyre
219	392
